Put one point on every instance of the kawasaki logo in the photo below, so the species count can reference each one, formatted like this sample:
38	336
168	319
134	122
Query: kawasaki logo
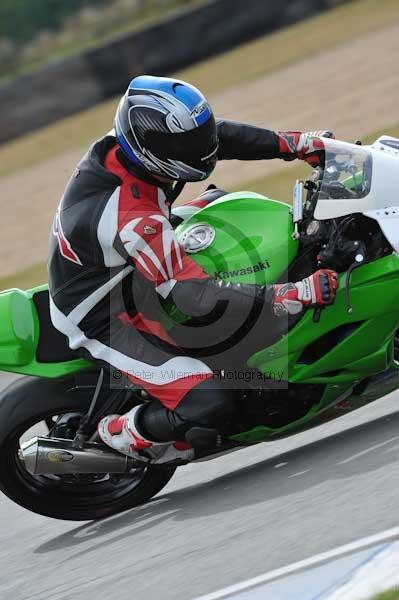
261	266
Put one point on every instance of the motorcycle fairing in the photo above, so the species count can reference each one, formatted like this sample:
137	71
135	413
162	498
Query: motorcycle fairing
344	346
375	166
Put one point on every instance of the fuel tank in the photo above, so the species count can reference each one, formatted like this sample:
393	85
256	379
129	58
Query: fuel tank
243	237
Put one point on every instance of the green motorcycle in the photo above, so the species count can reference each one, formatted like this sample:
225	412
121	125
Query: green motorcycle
320	364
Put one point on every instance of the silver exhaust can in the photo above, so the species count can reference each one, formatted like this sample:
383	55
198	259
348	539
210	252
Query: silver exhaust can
50	456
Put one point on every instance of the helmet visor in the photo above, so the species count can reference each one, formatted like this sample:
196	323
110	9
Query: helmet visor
197	148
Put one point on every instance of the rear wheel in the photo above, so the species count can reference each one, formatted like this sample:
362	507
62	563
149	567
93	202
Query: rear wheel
29	407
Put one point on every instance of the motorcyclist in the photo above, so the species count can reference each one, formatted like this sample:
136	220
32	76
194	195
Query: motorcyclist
113	251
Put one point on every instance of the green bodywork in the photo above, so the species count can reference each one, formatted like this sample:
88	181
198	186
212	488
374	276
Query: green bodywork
254	244
253	241
19	336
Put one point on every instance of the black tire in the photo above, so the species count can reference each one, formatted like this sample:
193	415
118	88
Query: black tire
29	401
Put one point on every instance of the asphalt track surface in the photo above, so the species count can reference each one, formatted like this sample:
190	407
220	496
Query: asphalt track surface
219	522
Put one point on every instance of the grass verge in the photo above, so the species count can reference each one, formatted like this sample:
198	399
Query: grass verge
247	62
389	595
278	185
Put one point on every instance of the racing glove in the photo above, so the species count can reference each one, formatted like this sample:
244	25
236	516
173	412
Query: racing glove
317	290
306	146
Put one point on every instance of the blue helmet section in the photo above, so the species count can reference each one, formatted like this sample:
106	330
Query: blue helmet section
186	93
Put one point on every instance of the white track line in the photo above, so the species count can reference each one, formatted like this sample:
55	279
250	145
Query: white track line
299	473
303	564
370	449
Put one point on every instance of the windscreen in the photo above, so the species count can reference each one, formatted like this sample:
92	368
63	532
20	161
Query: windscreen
348	171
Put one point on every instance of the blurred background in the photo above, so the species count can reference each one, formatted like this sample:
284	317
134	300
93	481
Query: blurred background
297	64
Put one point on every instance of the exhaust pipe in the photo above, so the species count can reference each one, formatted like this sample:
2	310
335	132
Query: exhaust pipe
50	456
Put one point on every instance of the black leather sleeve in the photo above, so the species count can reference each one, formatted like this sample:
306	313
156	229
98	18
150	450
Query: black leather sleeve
200	297
246	142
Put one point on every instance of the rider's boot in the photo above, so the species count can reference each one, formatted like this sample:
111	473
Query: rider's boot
121	434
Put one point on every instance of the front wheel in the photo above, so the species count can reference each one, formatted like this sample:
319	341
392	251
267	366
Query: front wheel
28	407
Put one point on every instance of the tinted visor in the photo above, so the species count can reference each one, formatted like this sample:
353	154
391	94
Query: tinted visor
197	147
